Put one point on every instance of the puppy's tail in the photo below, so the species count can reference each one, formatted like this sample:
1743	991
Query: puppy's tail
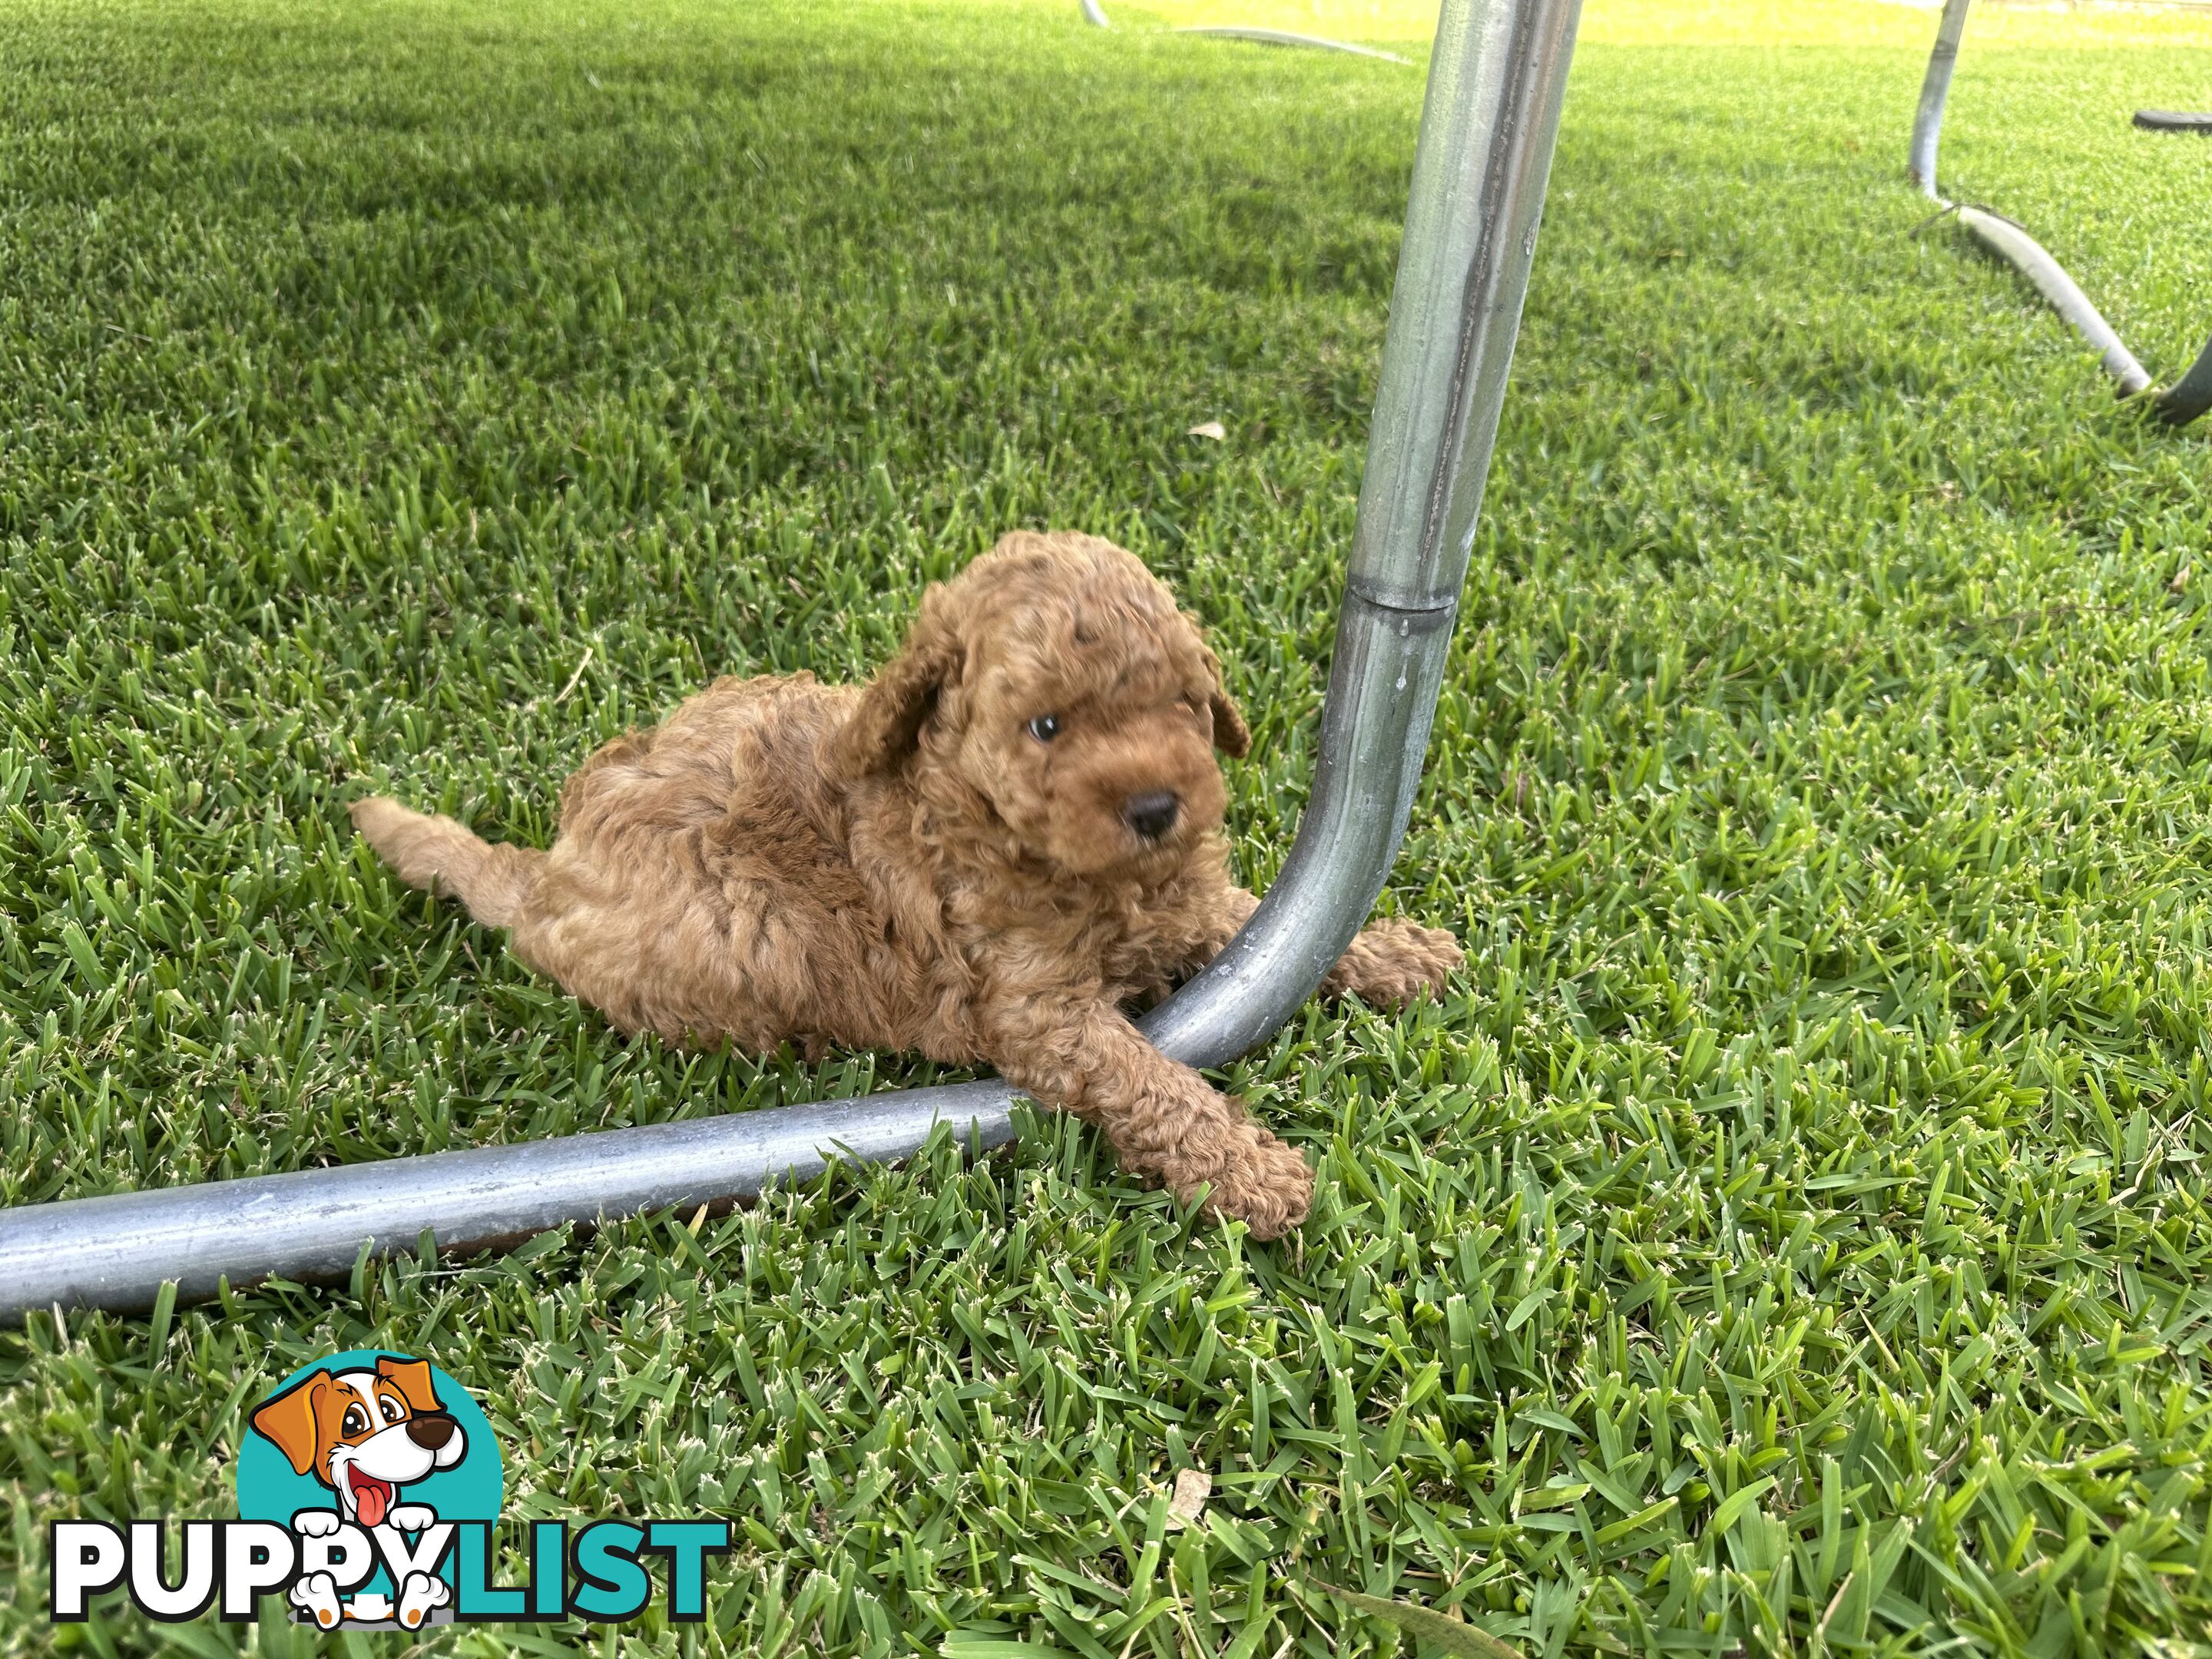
440	856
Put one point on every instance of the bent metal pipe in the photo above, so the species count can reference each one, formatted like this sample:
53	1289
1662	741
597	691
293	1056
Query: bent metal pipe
2177	404
1487	128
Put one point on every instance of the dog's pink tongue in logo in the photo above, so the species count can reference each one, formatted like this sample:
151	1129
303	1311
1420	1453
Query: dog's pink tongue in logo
371	1496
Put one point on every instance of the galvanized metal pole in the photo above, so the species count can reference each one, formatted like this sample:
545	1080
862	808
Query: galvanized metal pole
1496	83
1934	90
1495	86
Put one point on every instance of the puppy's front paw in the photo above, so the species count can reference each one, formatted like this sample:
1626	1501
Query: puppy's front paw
1263	1183
316	1523
411	1517
318	1594
422	1593
1394	961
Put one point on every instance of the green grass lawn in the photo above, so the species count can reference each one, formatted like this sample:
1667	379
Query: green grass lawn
1790	1234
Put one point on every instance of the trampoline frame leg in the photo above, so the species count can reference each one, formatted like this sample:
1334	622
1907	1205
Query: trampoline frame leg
1934	90
1488	127
2177	404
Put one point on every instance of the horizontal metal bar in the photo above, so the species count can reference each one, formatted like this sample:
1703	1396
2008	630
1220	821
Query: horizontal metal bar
1487	130
115	1251
2174	120
2026	255
1284	38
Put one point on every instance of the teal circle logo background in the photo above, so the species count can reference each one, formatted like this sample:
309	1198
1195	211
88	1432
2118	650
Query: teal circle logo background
474	1489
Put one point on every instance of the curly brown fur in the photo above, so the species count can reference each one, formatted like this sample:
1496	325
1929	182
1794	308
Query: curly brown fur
910	866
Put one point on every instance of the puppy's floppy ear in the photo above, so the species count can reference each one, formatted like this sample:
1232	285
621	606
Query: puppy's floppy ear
412	1378
1230	735
888	717
289	1420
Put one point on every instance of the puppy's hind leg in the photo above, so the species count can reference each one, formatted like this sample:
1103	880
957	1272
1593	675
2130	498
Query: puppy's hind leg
1392	962
440	856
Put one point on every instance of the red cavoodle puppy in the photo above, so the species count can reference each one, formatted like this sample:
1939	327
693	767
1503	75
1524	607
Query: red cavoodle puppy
985	855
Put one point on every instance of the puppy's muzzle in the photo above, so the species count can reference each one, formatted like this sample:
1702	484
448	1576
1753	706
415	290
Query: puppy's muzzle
1152	815
431	1430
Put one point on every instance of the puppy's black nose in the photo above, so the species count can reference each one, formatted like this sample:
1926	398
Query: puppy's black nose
1153	815
430	1432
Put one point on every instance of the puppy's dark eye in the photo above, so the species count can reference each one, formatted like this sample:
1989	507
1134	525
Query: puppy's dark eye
355	1421
1045	727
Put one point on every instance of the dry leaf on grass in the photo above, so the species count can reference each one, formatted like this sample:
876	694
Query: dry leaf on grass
1453	1635
1213	429
1192	1488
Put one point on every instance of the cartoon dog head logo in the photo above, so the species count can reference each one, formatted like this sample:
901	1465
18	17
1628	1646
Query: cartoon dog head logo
365	1433
369	1459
